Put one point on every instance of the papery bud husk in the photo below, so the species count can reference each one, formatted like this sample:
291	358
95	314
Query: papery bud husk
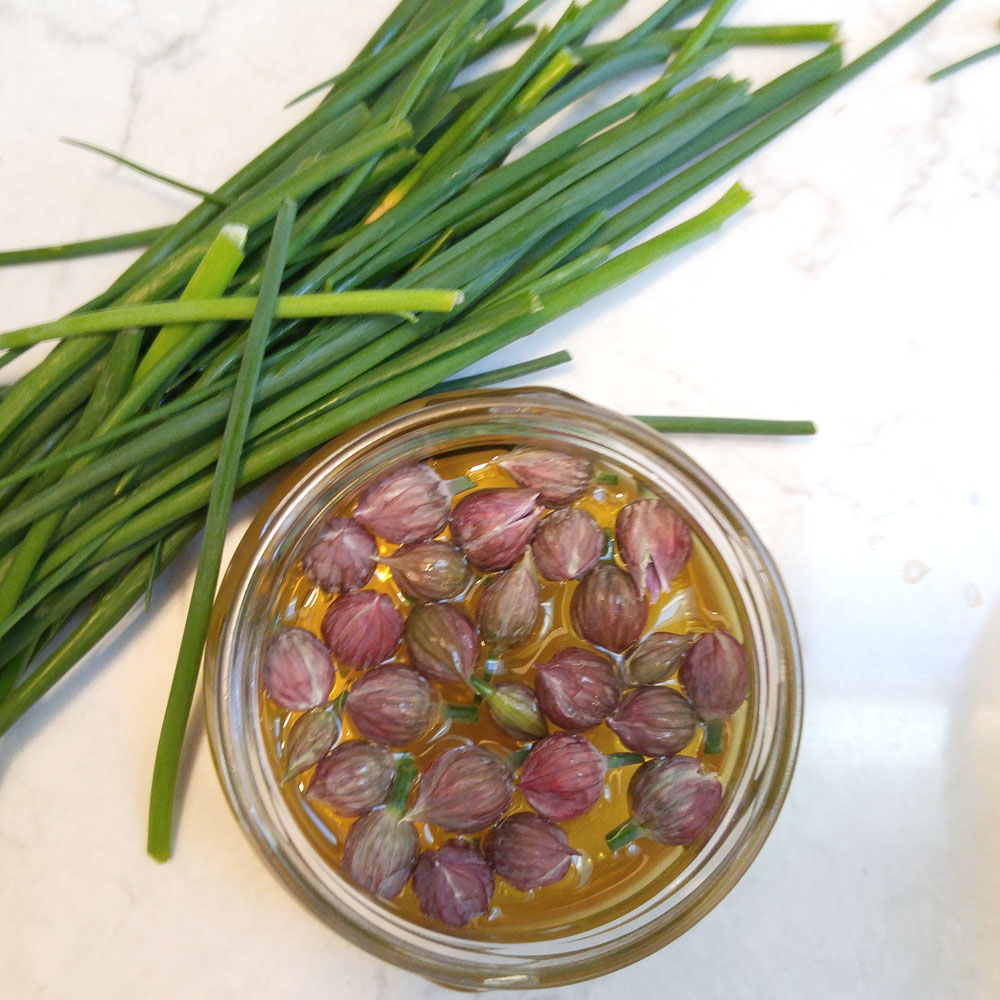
298	672
310	738
355	778
528	851
654	721
716	675
674	799
493	527
510	605
607	608
453	884
567	544
362	629
514	708
559	478
429	571
563	776
392	705
380	852
341	557
409	504
655	542
465	789
441	642
577	688
657	657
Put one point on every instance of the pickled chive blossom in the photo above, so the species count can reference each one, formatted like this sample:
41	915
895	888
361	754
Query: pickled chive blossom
298	672
510	605
392	705
563	776
312	735
441	642
655	542
380	852
410	504
453	884
429	571
529	851
568	544
354	778
657	657
654	721
577	688
493	527
341	557
362	629
558	477
607	608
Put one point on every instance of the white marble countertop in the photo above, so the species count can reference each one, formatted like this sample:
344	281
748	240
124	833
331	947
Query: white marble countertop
859	291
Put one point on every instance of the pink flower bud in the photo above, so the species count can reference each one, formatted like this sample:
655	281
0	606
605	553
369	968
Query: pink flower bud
514	708
298	672
654	721
354	779
715	675
559	478
563	776
380	852
453	884
607	608
577	688
441	642
568	544
429	571
510	605
392	705
310	738
657	656
493	527
673	799
362	629
655	542
465	789
342	557
528	851
407	505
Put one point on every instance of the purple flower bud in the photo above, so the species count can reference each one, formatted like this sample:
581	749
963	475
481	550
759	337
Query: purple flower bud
493	527
715	675
298	672
354	779
568	544
310	738
380	852
407	505
509	607
514	708
362	629
654	721
607	608
655	542
563	776
429	571
673	799
453	884
442	642
529	851
656	657
559	478
465	789
577	688
342	557
392	705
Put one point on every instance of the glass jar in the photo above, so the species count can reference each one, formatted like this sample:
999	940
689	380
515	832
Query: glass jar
245	615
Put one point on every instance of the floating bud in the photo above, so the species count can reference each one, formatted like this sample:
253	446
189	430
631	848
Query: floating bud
407	505
298	672
453	884
354	779
441	642
568	544
310	738
607	608
655	542
509	607
654	721
342	557
514	708
392	705
657	657
429	571
577	688
493	527
465	789
559	478
715	675
529	851
563	776
380	852
362	629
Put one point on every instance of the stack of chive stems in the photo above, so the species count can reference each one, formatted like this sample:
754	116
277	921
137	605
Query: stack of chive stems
406	245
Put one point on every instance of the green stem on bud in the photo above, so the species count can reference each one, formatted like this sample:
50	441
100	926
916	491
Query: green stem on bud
714	732
338	703
461	484
460	713
608	478
622	759
623	835
399	794
517	758
482	689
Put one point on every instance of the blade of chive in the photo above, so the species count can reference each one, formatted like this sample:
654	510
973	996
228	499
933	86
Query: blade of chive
727	425
954	67
505	374
82	248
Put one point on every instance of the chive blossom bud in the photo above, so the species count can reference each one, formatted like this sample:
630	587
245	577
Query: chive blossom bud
716	675
656	657
380	852
453	884
510	605
441	642
353	779
409	504
559	478
654	721
298	672
607	608
362	629
310	738
563	776
568	544
392	705
342	556
493	527
577	688
655	542
529	851
514	708
429	571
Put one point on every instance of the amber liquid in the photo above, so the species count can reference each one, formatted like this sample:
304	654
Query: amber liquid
600	885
